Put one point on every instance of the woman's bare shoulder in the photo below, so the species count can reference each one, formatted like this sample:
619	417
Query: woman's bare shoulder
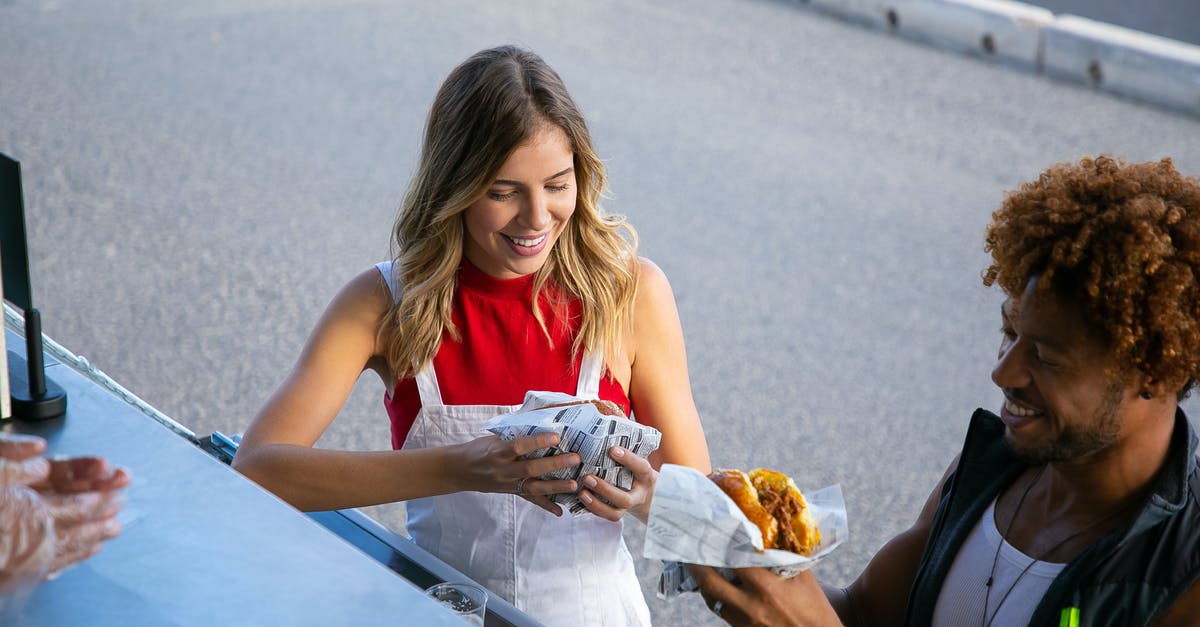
653	285
367	292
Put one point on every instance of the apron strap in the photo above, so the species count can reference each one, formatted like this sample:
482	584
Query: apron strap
588	386
427	386
590	371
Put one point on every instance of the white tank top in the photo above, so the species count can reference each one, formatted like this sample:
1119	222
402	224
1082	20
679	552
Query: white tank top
963	591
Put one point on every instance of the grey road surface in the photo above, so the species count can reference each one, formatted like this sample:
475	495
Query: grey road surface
202	177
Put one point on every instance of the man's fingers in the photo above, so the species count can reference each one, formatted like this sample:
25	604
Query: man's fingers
714	587
760	578
708	579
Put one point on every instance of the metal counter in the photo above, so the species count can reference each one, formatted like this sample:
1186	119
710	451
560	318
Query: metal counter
202	545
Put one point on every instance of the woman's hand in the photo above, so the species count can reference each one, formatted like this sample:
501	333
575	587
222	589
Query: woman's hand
490	464
613	502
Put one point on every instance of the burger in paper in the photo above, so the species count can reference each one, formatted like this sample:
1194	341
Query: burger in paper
589	428
771	501
735	519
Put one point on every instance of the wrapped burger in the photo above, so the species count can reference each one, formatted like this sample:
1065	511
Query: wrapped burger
586	427
697	519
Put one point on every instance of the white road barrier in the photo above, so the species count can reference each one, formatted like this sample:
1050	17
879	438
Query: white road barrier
1123	61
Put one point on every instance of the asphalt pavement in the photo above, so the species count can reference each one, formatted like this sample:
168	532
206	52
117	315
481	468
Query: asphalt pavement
200	178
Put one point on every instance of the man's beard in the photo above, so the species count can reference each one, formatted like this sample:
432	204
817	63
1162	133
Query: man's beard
1078	440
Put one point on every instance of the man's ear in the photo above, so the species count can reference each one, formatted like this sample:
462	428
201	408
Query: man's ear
1151	389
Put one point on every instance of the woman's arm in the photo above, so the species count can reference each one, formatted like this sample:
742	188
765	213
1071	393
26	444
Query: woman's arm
661	395
659	388
276	451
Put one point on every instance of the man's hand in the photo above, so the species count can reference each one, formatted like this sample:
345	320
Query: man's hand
763	598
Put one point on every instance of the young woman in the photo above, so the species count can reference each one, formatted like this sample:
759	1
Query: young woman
508	277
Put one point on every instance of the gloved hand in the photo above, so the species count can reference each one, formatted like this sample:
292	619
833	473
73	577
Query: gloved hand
53	513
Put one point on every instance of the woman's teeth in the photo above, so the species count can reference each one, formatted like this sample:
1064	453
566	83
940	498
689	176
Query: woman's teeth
528	243
1019	411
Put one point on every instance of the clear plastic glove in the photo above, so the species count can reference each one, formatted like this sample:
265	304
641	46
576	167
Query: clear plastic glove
53	513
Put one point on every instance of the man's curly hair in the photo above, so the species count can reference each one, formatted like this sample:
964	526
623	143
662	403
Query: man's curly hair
1123	239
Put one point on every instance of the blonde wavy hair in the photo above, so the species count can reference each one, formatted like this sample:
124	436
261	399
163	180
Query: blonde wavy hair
487	107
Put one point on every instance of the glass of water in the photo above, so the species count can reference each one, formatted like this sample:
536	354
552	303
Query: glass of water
467	600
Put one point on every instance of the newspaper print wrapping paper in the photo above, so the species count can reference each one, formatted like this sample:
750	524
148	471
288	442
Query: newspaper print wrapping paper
581	429
692	521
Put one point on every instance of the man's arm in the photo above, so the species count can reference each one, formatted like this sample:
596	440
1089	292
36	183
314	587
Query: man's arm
1186	610
880	594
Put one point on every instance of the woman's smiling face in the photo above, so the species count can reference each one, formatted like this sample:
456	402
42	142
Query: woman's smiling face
511	229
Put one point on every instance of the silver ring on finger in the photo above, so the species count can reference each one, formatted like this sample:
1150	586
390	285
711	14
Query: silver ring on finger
521	485
716	608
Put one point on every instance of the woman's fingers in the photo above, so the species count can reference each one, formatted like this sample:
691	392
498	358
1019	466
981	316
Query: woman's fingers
608	501
599	507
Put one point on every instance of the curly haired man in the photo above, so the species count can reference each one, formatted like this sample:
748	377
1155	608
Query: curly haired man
1078	504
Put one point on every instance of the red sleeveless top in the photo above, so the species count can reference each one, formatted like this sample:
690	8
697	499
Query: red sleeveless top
502	353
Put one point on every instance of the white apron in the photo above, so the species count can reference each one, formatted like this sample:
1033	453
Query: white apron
559	570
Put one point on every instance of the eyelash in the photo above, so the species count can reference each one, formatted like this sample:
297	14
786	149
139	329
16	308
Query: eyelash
1048	364
1011	335
552	188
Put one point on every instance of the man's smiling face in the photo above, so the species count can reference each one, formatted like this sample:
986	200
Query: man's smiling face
1063	398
